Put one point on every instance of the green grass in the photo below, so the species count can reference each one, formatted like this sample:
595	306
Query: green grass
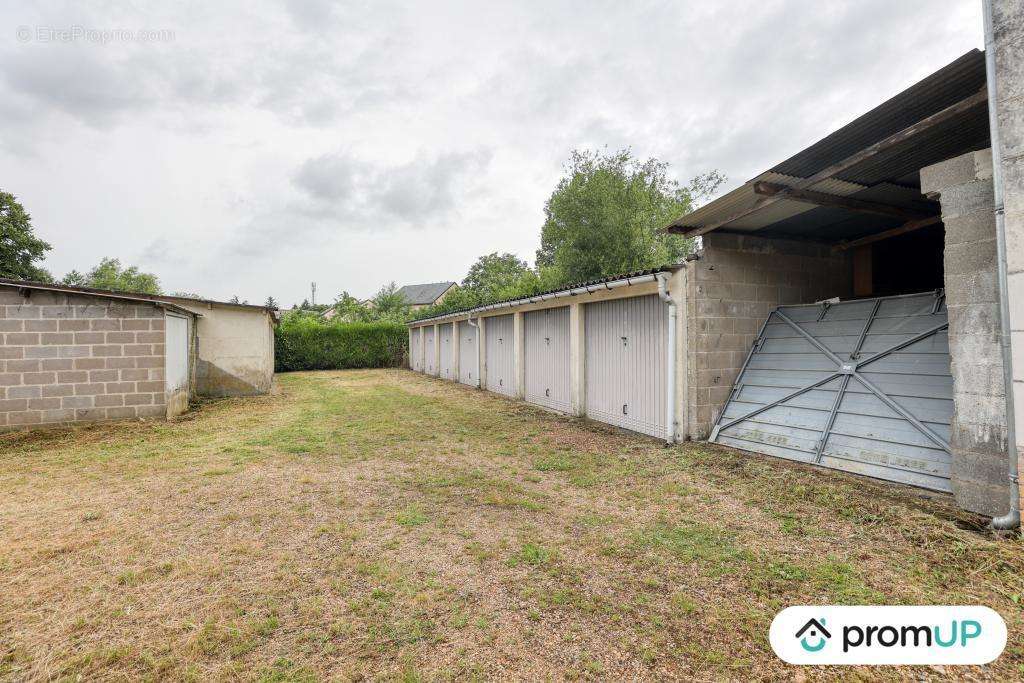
387	526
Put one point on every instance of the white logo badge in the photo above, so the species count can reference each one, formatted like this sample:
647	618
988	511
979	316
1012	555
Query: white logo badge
831	634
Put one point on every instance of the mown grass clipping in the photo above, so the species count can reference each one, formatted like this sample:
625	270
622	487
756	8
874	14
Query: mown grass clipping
304	344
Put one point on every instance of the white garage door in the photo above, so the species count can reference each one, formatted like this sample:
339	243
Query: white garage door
415	359
447	346
429	351
177	351
500	354
626	363
467	354
547	357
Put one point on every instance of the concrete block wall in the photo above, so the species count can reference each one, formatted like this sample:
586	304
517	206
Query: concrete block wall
731	288
1008	22
69	358
964	187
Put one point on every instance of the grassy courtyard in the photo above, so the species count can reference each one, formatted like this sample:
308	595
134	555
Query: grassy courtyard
385	525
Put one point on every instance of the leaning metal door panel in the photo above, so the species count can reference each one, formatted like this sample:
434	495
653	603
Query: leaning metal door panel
447	346
547	357
626	363
499	354
467	354
862	386
415	360
429	356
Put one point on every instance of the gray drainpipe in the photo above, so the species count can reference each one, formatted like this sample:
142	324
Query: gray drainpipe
1011	520
670	395
476	326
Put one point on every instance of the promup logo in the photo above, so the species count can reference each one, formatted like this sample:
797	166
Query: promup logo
817	634
888	635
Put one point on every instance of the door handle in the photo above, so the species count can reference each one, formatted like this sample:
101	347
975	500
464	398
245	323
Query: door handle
547	392
625	409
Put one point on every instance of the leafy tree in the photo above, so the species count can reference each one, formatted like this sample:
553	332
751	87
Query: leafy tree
388	305
110	274
494	273
20	249
271	302
605	216
350	309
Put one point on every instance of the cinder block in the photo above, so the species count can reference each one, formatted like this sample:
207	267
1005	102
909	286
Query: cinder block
40	325
122	413
51	338
90	414
13	405
75	351
12	325
91	337
72	376
9	352
152	411
106	350
121	388
72	325
120	337
22	338
150	337
76	402
25	418
90	363
150	362
135	325
150	386
23	365
105	325
57	364
24	392
120	363
56	311
59	390
104	375
138	350
39	377
134	375
58	416
23	312
44	404
108	401
138	399
90	389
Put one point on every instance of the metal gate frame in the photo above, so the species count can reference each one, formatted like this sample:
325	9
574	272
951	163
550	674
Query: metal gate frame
845	369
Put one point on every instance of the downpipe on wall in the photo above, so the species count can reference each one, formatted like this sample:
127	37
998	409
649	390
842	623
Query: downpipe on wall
476	325
1011	520
670	397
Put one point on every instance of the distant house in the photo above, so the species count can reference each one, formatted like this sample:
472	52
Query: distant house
421	296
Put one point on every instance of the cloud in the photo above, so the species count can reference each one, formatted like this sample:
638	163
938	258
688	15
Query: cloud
273	142
363	194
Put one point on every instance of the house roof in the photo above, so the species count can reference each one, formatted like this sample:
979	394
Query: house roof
876	158
89	291
426	293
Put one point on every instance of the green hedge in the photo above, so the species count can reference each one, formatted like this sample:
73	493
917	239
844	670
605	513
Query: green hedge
306	344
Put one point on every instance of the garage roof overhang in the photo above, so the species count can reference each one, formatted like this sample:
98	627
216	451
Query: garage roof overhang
862	182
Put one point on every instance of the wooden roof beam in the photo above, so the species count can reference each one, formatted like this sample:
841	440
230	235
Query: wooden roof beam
837	201
924	124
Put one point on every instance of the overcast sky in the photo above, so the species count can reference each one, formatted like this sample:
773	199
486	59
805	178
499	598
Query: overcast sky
253	147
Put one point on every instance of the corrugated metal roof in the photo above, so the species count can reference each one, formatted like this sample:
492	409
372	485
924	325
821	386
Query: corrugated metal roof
88	291
896	166
139	296
525	299
427	293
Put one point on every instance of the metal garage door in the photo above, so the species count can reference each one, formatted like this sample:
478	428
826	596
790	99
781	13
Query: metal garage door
862	386
429	351
467	354
500	354
415	359
626	363
547	357
447	345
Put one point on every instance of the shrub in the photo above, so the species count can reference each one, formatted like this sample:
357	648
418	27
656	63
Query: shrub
302	343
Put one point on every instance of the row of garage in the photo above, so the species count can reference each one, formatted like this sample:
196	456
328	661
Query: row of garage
603	359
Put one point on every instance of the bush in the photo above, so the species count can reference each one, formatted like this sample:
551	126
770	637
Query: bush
302	343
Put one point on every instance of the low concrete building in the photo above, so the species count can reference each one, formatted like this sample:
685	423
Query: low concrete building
71	355
235	355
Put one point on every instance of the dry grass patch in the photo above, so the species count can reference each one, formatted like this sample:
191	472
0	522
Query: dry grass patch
386	525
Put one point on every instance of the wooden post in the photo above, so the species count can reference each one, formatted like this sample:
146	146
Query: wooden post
863	274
